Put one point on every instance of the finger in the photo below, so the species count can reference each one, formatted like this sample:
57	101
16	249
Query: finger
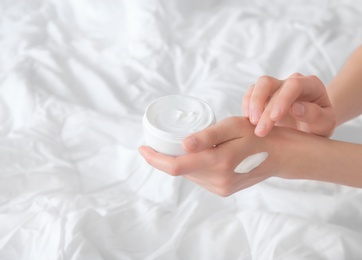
264	87
296	87
301	88
225	130
179	165
307	112
246	101
318	119
264	125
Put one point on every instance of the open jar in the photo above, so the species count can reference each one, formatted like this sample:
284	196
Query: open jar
170	119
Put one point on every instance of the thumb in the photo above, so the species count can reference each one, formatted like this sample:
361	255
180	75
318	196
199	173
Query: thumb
306	112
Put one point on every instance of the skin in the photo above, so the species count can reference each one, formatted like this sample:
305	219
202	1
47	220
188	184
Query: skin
289	119
299	102
345	90
216	151
304	103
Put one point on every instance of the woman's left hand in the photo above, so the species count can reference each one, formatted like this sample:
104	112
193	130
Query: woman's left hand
214	153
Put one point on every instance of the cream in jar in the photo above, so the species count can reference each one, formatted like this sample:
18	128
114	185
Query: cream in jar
170	119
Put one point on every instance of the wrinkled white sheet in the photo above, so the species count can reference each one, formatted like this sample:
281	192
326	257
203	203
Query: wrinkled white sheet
75	78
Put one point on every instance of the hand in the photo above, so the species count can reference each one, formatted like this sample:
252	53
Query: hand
299	102
215	152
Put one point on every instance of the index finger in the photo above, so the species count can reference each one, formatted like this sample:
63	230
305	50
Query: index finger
227	129
297	88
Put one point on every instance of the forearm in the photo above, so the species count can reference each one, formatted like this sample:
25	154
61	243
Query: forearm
317	158
345	90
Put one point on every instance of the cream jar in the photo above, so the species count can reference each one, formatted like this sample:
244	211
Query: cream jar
170	119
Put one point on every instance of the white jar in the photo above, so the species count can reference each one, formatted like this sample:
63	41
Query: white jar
170	119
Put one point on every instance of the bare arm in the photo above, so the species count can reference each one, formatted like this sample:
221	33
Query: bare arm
304	103
317	158
292	154
345	90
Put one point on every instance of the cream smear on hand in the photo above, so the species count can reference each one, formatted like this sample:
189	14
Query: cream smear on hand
251	162
170	119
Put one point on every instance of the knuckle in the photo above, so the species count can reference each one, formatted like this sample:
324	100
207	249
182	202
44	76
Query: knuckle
264	80
314	77
316	80
296	75
293	81
293	84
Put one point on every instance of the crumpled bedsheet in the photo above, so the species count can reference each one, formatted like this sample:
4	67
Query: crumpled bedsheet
75	78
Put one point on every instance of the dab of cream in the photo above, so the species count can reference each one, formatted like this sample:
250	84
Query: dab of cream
251	162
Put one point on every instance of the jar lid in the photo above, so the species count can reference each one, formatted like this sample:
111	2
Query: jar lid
174	117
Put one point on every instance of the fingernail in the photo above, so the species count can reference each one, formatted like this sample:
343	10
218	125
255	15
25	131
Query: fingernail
298	109
190	143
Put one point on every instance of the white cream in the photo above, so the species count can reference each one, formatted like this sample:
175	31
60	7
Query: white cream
170	119
251	162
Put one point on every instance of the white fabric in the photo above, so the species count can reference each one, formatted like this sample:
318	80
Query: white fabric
75	78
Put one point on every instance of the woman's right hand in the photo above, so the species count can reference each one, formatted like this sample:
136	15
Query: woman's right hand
299	102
